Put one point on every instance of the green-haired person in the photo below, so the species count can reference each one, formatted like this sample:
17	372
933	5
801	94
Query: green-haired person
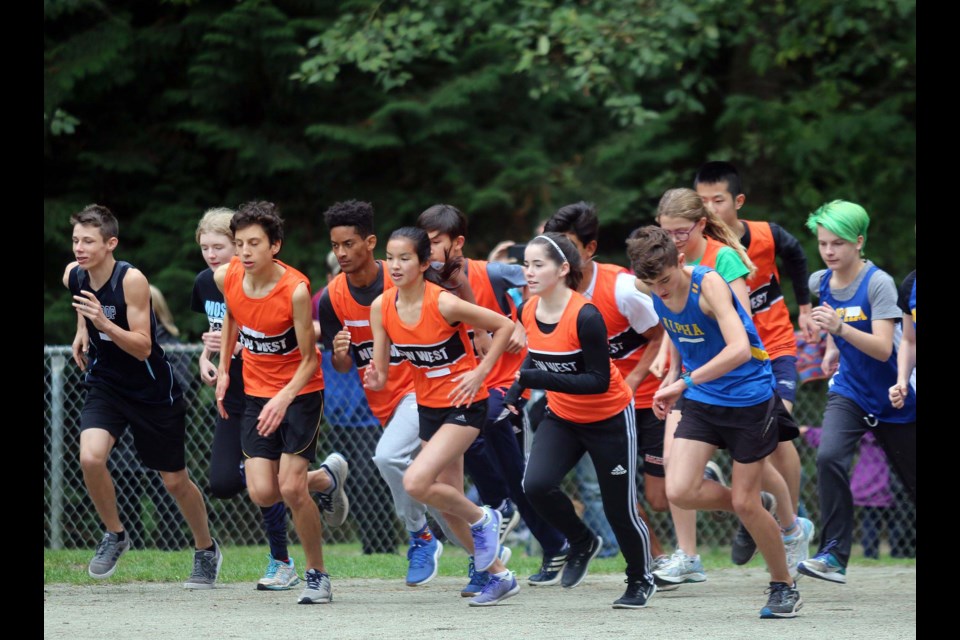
858	308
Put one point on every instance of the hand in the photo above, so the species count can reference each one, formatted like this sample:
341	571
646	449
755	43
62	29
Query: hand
482	341
898	394
467	387
272	414
81	347
666	397
208	372
830	362
808	328
659	365
499	252
211	340
223	383
89	307
825	317
372	378
341	342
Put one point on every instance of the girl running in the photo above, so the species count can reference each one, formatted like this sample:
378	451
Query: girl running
426	324
589	409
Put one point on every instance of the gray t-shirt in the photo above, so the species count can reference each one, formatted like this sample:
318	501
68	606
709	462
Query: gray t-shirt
881	291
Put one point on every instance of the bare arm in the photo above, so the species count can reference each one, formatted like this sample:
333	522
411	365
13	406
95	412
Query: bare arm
228	338
273	412
135	340
455	310
878	345
906	362
375	375
654	336
739	288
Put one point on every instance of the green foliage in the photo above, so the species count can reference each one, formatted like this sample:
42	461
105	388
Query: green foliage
506	109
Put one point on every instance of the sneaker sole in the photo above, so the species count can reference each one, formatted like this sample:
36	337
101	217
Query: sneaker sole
504	556
831	577
690	578
205	585
508	594
104	576
585	569
308	600
273	587
624	605
436	566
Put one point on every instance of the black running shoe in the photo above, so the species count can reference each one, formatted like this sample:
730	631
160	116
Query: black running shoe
577	562
636	596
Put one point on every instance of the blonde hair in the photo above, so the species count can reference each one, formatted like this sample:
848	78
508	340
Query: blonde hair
686	204
216	220
162	311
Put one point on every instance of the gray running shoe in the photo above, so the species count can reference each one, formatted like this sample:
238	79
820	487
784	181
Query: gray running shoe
206	568
279	576
784	601
318	589
108	553
334	505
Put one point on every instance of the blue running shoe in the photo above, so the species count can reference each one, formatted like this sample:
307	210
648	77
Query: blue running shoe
486	538
496	590
797	545
478	579
424	557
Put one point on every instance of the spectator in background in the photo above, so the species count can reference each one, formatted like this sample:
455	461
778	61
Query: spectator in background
355	431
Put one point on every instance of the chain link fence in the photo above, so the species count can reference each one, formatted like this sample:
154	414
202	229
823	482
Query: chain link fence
149	513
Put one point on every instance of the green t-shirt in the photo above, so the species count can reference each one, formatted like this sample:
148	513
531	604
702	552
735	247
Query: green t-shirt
729	265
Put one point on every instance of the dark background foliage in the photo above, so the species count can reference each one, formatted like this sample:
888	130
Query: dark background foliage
506	109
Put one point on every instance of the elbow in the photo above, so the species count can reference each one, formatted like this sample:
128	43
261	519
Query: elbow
884	353
742	355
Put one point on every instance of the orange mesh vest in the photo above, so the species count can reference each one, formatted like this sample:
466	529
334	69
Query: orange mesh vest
709	258
271	353
770	312
356	317
626	345
438	352
503	371
560	351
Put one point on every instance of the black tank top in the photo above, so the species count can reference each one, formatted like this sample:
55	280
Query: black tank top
150	381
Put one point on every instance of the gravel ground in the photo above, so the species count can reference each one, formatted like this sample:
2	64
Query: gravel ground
878	602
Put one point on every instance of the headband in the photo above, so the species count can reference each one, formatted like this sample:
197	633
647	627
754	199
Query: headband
555	246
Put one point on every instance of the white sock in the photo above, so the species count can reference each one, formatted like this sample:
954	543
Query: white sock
482	519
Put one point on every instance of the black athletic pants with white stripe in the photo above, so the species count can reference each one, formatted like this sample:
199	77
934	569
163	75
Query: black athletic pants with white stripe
612	444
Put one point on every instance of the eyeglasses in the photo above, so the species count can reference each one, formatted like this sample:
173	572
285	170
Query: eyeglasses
681	235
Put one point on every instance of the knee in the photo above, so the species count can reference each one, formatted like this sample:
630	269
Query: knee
385	461
536	490
746	505
176	483
416	485
92	461
223	489
294	492
678	494
658	501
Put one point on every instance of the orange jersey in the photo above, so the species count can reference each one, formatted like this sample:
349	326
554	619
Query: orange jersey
267	334
503	371
709	258
560	352
770	312
438	352
626	345
356	317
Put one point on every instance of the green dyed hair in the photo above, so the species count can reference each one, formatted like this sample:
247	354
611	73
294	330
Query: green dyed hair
847	220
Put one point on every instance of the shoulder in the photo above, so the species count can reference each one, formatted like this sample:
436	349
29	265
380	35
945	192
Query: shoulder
220	275
815	279
66	273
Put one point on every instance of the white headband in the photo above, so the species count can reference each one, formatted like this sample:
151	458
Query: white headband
555	246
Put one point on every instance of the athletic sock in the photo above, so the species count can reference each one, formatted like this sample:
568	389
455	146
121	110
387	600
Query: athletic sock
275	524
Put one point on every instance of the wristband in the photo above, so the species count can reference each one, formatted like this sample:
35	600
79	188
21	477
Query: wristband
687	380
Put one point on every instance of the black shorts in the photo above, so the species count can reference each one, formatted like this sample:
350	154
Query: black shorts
431	418
750	433
785	373
296	435
650	442
159	431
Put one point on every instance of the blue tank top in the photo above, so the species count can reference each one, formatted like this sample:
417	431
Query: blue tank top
861	378
913	303
699	339
150	381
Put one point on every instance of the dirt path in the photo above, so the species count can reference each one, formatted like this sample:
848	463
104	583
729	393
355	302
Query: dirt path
878	602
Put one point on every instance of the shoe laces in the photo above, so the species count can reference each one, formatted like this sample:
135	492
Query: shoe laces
325	500
314	579
778	591
105	545
418	552
827	550
272	568
491	583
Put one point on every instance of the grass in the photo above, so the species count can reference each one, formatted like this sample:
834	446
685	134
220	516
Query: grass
246	564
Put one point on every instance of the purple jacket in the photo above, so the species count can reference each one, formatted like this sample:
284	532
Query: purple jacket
870	480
